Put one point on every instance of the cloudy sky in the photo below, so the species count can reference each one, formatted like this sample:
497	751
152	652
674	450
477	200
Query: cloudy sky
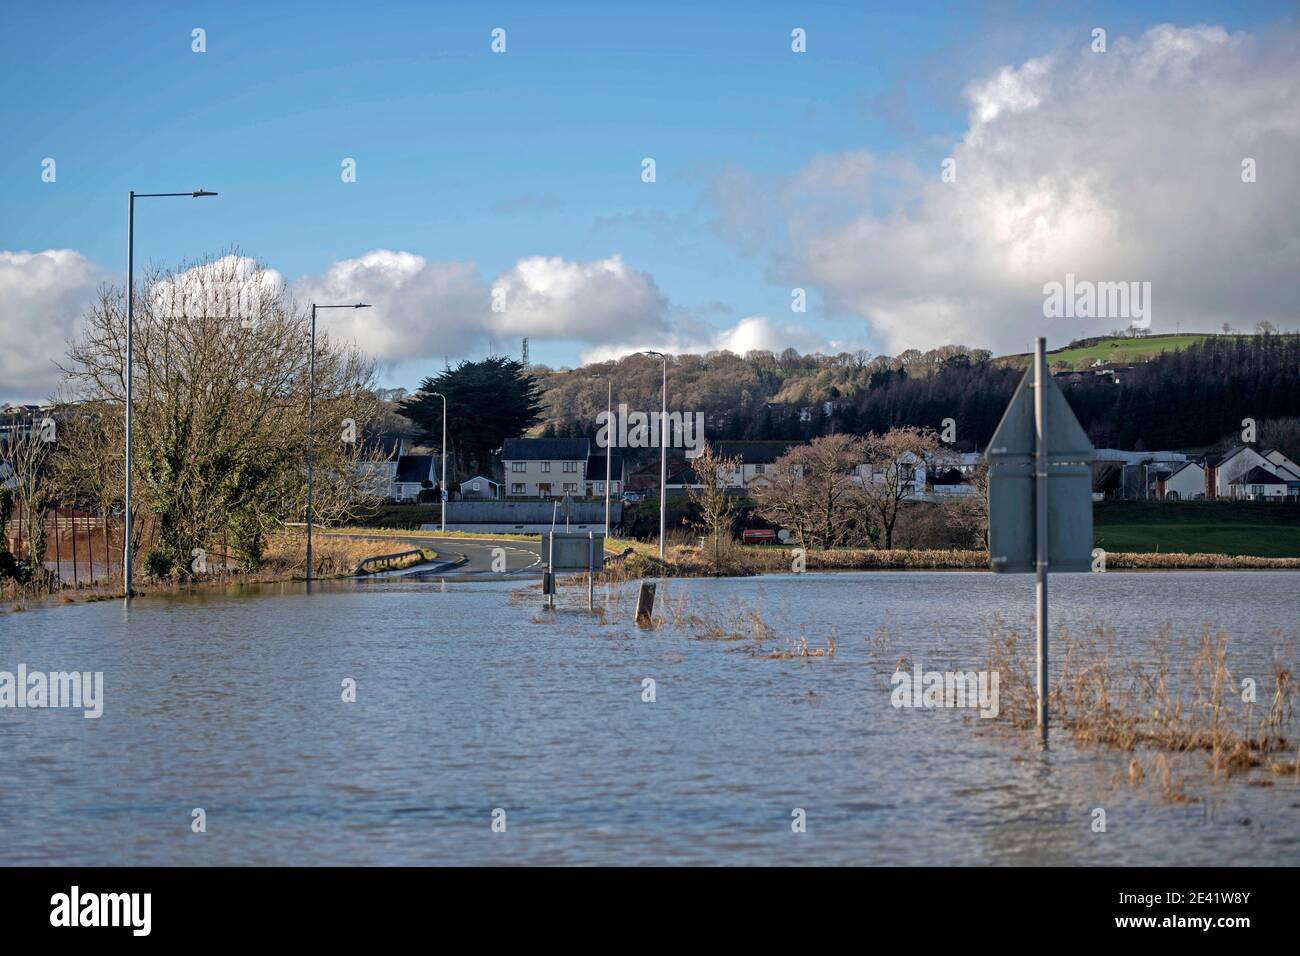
499	195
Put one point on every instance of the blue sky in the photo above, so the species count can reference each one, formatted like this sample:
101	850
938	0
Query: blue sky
467	156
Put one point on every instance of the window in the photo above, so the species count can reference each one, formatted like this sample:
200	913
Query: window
570	487
518	466
571	467
758	469
473	486
600	487
517	488
546	466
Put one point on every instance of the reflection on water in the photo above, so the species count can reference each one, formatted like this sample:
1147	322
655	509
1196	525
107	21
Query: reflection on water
468	701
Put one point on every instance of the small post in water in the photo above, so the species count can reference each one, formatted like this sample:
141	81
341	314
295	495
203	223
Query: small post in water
645	603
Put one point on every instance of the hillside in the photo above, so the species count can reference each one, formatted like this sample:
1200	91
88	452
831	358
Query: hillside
1081	354
1192	393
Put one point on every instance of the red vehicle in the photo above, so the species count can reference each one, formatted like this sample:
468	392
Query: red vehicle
758	536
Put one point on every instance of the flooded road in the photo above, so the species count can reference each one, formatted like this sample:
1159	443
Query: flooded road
470	699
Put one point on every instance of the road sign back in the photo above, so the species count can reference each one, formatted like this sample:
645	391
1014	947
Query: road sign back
1011	485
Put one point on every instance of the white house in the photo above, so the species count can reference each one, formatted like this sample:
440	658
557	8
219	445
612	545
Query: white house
414	474
377	468
911	470
545	467
1283	465
1258	484
756	459
1186	482
1222	470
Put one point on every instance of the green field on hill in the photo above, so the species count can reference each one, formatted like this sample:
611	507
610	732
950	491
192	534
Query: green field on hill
1208	527
1114	350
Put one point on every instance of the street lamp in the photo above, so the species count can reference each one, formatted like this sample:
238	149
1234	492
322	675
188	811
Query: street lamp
442	485
311	420
132	196
609	424
663	453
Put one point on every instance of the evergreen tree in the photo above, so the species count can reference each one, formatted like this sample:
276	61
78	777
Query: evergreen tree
487	402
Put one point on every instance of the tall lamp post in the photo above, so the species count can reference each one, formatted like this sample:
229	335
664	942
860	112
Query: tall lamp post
442	485
609	424
132	196
311	420
663	454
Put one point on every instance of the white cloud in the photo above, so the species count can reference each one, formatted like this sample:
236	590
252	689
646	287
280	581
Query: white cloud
43	296
600	301
1116	166
432	309
419	308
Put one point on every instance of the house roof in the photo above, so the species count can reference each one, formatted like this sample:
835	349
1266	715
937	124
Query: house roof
596	467
414	468
1184	465
754	452
389	445
1217	461
1258	476
545	449
470	481
1285	464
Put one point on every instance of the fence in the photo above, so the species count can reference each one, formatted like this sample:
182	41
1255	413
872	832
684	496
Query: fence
82	548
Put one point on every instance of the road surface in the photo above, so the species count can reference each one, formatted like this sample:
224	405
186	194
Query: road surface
521	557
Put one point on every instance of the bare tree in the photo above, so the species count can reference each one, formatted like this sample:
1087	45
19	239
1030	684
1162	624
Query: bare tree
809	490
219	408
891	463
968	515
713	473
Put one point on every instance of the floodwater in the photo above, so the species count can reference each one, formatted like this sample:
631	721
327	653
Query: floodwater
472	702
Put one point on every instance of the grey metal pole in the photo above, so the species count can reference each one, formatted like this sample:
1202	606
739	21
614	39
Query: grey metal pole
663	461
609	453
130	362
1040	527
311	434
445	496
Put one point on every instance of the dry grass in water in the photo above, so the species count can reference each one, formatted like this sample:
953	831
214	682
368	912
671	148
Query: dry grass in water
1184	701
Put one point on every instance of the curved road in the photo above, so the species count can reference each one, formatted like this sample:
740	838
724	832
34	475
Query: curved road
521	557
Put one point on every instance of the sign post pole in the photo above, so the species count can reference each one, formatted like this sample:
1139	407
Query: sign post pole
1040	526
1040	498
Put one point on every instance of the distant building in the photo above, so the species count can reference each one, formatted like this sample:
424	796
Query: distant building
1258	484
1283	465
1186	482
545	467
595	479
414	474
1221	470
756	459
479	488
377	469
952	482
